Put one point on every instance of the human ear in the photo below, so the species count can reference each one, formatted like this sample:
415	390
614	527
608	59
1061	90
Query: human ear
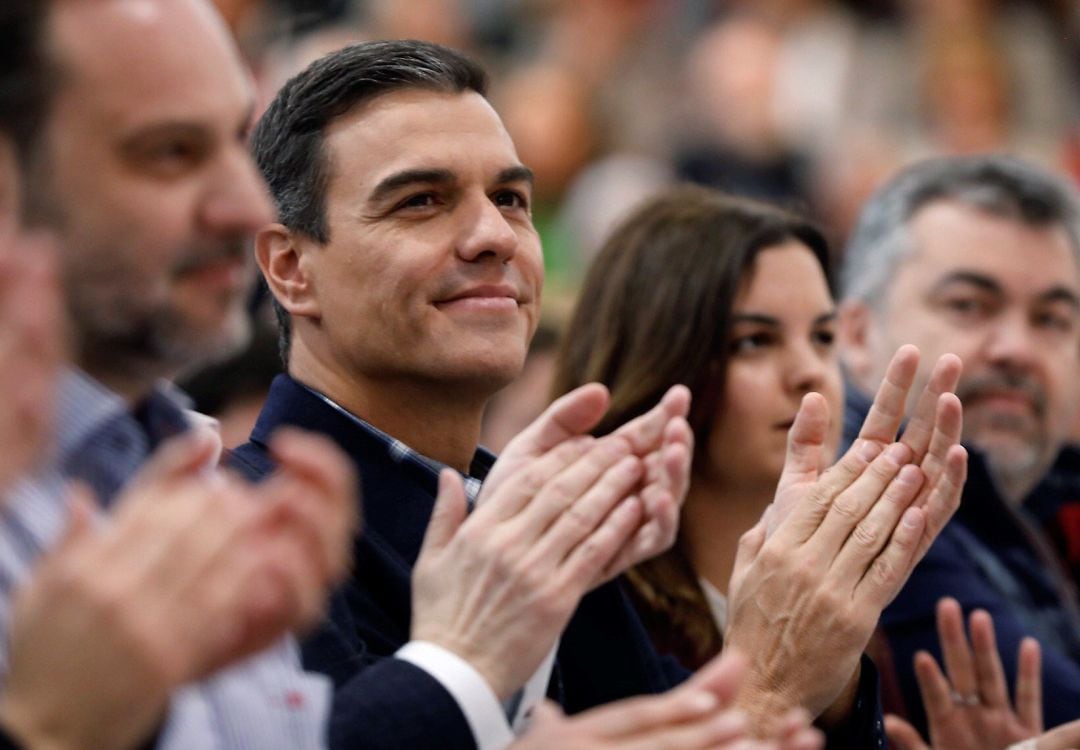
280	255
855	333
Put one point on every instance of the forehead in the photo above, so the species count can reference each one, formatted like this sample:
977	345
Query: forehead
951	236
129	61
784	276
413	129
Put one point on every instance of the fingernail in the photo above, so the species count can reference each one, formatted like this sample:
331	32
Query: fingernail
909	474
911	518
898	452
869	450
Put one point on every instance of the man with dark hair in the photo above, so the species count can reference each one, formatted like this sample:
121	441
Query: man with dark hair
980	256
142	175
408	274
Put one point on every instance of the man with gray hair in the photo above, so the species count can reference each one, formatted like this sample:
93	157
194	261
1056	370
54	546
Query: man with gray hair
980	256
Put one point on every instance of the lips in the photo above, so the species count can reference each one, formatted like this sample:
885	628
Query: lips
489	298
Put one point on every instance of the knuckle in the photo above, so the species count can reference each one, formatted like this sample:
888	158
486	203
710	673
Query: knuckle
866	536
847	508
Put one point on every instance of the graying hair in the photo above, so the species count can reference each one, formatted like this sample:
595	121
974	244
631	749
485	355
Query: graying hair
998	185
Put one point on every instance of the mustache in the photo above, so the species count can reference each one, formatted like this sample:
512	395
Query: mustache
980	386
230	251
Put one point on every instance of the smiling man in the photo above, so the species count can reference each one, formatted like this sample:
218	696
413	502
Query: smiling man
981	257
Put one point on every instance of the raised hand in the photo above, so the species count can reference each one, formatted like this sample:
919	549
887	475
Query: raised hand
661	438
967	707
498	587
194	570
812	577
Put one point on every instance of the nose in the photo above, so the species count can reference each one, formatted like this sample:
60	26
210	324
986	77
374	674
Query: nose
485	233
1010	340
805	367
237	201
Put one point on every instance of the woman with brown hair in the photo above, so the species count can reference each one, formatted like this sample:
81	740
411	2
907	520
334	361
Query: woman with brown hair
730	297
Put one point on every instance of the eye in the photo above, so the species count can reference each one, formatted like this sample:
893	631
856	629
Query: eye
824	337
966	307
417	201
1054	320
511	199
751	342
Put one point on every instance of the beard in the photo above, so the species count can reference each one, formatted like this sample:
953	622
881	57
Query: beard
1016	444
138	331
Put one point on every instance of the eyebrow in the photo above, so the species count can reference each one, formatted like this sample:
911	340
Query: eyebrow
407	177
768	320
1054	294
519	173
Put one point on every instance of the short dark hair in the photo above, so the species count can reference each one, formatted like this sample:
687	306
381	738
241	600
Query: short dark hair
288	141
24	73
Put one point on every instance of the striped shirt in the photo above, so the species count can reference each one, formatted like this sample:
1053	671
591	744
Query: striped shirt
266	701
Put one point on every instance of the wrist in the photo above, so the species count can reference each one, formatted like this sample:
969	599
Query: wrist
28	731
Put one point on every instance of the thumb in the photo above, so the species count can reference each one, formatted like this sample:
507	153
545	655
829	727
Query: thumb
570	415
178	457
806	442
903	735
449	512
546	712
81	507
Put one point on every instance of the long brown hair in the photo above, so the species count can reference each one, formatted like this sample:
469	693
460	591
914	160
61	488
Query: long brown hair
655	310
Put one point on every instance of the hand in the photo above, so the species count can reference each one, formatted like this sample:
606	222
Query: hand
970	708
661	438
193	571
696	715
498	587
31	348
804	599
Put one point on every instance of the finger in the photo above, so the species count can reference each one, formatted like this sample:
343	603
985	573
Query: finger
887	411
870	535
584	479
448	515
935	690
893	566
636	716
317	460
586	513
645	432
1064	737
517	492
903	735
571	415
81	509
883	477
805	442
923	425
948	425
587	559
177	458
1029	685
988	670
955	651
944	497
722	676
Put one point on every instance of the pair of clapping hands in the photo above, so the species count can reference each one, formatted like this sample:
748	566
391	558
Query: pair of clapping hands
810	580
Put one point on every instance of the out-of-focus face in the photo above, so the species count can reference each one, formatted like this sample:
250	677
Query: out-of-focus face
781	348
147	179
1004	297
433	270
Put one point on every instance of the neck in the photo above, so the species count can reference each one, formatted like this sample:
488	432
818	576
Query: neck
715	516
434	419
